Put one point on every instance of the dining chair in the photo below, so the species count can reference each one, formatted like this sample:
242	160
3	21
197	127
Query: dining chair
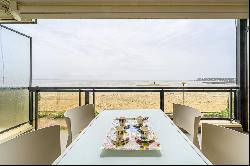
188	119
40	147
223	146
77	119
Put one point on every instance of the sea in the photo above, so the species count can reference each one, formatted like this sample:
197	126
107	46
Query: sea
129	83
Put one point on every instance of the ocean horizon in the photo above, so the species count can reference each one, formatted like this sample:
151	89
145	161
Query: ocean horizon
126	83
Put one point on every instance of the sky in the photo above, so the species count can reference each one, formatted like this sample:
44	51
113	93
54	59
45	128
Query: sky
143	49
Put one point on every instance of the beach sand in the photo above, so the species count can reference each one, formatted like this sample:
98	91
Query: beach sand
54	102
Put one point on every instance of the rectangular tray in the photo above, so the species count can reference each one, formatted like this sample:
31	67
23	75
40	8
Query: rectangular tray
134	142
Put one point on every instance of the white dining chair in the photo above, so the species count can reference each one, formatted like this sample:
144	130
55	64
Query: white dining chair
188	119
223	146
77	119
40	147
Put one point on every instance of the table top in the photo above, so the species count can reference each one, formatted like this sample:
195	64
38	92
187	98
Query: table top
176	148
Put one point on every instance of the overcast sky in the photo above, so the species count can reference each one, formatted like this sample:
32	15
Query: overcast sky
132	49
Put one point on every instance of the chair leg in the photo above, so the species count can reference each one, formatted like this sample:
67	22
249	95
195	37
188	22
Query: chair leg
69	141
196	127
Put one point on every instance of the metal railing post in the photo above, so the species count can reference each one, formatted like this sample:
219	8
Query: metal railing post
31	111
231	106
94	100
86	97
94	96
235	105
36	110
80	98
162	100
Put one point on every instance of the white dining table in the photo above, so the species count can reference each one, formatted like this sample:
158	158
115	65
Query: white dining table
176	148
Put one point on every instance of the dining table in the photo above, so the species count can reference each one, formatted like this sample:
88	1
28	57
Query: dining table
176	148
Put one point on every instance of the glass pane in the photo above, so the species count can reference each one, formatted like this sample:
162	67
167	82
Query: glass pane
14	107
52	105
15	59
126	100
14	78
211	104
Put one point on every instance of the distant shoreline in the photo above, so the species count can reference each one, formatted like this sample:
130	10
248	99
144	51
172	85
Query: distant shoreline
128	83
153	85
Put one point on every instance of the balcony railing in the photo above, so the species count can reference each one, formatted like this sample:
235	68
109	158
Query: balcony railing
52	102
